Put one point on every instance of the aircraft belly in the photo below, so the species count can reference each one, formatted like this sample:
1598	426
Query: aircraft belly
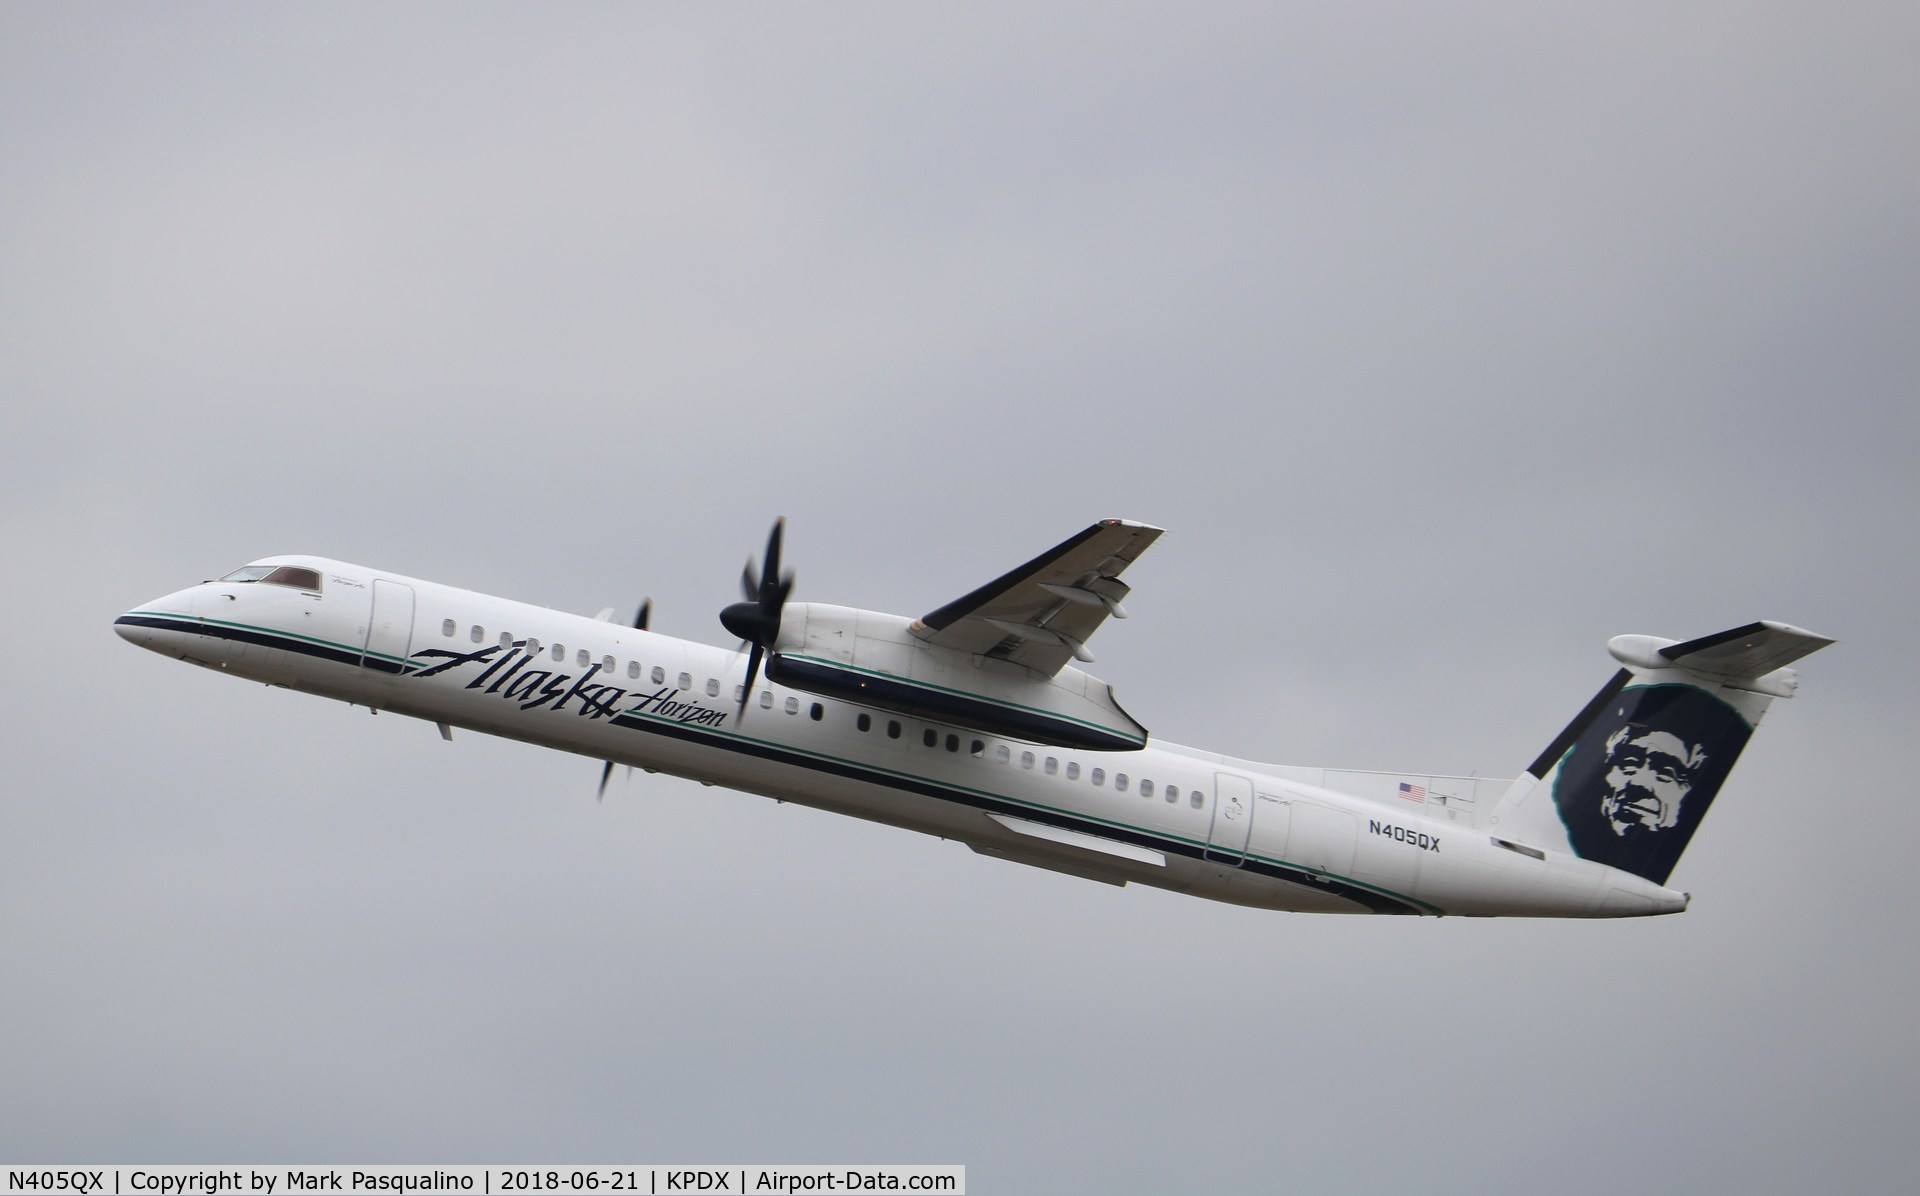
945	802
1481	879
778	764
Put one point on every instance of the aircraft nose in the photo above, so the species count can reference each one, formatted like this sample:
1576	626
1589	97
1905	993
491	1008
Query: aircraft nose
142	624
133	629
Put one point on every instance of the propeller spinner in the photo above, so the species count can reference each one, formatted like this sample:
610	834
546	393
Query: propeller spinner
757	620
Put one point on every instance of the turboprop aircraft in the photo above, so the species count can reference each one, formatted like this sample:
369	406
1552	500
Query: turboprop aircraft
971	724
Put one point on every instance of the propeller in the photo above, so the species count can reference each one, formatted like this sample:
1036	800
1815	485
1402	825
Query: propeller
640	621
757	620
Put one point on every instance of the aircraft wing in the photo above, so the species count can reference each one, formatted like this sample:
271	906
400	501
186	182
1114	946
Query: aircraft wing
1041	614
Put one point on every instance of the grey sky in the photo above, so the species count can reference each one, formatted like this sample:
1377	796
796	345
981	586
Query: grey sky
1445	343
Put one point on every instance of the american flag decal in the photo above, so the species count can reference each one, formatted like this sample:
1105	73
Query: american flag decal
1413	792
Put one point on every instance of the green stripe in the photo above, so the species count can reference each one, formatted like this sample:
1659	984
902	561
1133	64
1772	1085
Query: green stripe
864	765
1160	836
177	617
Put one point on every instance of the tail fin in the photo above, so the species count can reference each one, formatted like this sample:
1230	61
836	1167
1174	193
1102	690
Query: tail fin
1628	781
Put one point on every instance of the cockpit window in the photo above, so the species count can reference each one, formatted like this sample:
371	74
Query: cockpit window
293	575
278	575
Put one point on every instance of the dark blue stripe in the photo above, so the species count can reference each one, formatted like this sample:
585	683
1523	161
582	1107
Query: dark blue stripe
934	706
1581	721
1676	651
960	608
1378	903
266	639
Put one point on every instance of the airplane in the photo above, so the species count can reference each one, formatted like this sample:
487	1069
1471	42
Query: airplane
975	723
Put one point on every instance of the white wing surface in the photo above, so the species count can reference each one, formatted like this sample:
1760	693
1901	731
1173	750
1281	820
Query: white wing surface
1041	614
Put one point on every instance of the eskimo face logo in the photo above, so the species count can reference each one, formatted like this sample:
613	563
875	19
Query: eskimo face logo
1639	778
1648	775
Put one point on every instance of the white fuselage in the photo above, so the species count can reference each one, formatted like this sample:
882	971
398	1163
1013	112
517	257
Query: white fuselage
1164	815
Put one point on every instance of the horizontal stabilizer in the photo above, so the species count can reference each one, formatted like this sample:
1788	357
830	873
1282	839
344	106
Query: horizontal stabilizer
1746	651
1740	657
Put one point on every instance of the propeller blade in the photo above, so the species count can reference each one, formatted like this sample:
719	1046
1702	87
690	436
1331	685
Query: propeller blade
753	671
640	618
756	622
771	570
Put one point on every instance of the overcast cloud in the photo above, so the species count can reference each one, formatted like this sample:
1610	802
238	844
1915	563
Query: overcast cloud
1446	342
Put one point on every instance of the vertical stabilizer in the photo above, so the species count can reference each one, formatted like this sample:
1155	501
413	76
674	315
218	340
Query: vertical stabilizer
1630	778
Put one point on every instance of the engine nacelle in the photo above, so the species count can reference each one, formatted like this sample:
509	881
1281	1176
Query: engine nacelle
873	659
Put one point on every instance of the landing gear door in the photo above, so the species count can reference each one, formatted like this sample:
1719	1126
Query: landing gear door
1232	818
389	628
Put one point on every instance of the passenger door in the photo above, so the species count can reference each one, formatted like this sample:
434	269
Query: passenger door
389	628
1232	818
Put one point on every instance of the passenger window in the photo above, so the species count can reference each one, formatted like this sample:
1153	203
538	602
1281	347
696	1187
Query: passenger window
1073	770
607	664
581	658
766	699
1146	787
893	729
533	646
1120	782
1173	793
446	627
1098	776
976	748
478	634
1051	767
816	712
793	705
1193	796
659	675
713	687
864	722
633	670
953	743
686	681
929	737
559	651
1001	754
506	639
1026	759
